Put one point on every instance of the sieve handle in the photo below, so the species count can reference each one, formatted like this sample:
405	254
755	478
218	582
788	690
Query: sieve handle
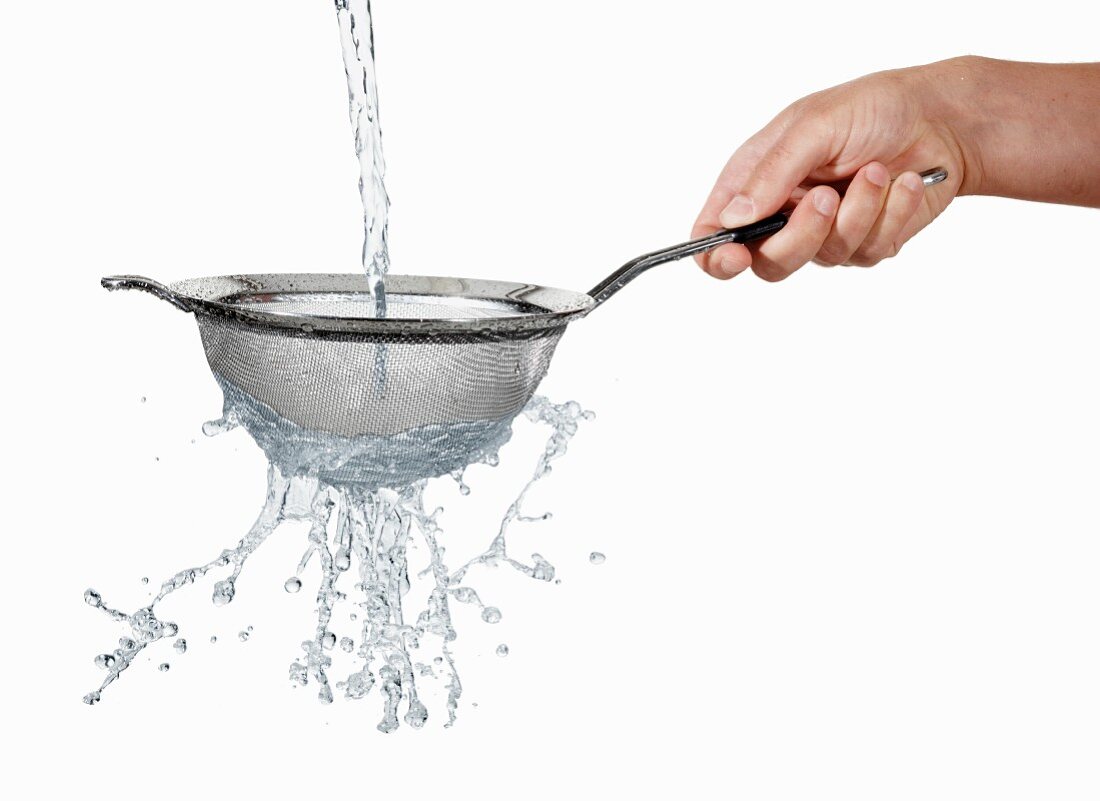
746	233
632	269
155	288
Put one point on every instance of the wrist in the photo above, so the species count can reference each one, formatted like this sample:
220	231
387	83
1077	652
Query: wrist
953	94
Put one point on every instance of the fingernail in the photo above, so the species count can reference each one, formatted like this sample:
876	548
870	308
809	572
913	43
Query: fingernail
912	182
877	175
730	267
739	211
826	202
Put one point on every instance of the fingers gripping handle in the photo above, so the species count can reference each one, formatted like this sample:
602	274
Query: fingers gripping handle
744	234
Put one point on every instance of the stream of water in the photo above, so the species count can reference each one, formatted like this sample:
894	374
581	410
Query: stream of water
357	47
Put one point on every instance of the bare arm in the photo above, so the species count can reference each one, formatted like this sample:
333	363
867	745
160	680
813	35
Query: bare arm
1029	131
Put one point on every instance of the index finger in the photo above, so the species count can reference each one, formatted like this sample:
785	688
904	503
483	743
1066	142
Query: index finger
761	176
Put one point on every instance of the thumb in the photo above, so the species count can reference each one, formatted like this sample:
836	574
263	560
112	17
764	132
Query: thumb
769	176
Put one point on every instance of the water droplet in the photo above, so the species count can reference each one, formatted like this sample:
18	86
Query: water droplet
105	661
490	614
353	616
144	579
417	715
328	641
143	399
249	629
91	698
347	644
557	581
299	674
359	683
502	650
243	636
212	428
213	639
163	667
292	584
438	660
465	595
180	645
93	598
169	630
126	644
543	570
597	558
343	559
224	592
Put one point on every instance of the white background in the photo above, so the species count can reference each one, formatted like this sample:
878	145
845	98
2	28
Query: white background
850	519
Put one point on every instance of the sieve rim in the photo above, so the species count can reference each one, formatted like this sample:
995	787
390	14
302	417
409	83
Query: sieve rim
537	308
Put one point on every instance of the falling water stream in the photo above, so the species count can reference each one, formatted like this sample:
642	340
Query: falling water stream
357	46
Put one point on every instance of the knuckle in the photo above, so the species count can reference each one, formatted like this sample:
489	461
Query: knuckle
814	116
831	255
811	107
770	272
875	252
773	160
862	259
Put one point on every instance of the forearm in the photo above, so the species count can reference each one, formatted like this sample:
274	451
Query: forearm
1027	131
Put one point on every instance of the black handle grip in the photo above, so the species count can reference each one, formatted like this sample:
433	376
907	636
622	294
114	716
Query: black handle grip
632	269
757	230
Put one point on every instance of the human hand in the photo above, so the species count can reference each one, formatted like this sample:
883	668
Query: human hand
866	139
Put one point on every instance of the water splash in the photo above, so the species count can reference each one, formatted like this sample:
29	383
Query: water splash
366	534
374	461
357	45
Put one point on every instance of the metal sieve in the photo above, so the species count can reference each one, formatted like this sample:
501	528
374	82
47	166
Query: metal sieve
449	352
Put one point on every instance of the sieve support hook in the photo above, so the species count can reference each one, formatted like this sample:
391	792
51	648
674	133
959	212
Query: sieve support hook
155	288
745	234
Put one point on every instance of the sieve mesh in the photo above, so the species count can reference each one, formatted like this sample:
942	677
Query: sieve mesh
434	382
398	307
357	386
